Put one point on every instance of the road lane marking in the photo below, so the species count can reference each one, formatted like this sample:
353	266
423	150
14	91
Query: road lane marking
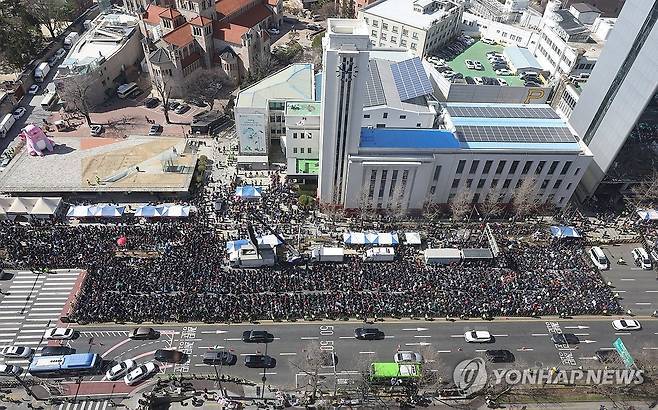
233	339
622	333
650	348
627	279
539	334
643	303
309	337
480	350
651	291
422	336
500	335
7	334
526	349
390	337
444	351
579	327
287	354
607	348
215	332
346	337
581	334
588	358
418	344
456	335
417	329
366	352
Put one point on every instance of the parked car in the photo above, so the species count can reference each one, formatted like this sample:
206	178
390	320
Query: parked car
488	41
151	102
363	333
60	53
96	130
59	333
19	112
34	89
156	129
502	81
470	64
182	109
17	351
144	333
565	338
641	258
221	358
10	370
273	31
172	105
408	357
499	356
503	71
56	351
598	258
140	373
170	356
259	361
257	336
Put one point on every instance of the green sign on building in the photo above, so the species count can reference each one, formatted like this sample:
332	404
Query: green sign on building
623	352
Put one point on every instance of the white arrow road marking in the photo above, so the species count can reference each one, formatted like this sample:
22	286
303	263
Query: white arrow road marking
418	344
589	341
577	327
215	332
417	329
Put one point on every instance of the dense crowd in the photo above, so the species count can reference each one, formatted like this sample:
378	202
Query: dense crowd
187	279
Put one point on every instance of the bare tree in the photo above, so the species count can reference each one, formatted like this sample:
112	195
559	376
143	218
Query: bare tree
75	93
314	358
53	14
432	369
645	192
163	89
397	206
327	10
525	199
492	204
261	66
206	85
461	204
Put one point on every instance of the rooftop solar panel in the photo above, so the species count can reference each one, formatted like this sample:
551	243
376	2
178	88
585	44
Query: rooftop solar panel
470	133
374	89
411	79
503	112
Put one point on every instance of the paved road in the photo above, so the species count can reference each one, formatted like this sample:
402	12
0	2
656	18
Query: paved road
440	341
637	288
30	304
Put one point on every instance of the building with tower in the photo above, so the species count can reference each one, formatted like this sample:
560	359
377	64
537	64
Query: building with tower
617	112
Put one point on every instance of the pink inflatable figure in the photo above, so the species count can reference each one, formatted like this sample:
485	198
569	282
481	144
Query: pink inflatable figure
37	141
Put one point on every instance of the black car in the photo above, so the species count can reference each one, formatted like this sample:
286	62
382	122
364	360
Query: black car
56	351
220	358
565	338
259	361
170	356
257	336
606	356
363	333
144	333
499	356
469	80
151	102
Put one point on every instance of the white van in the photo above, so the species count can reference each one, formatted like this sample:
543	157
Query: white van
641	258
598	258
124	90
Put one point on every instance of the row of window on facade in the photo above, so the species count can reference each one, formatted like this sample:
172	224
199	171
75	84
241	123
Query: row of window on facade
506	183
301	150
394	29
514	166
382	184
192	6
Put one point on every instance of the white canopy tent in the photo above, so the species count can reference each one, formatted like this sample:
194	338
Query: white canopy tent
412	238
149	211
80	211
178	211
46	207
21	206
108	211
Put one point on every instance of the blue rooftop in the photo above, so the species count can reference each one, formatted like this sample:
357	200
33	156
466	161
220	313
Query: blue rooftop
418	138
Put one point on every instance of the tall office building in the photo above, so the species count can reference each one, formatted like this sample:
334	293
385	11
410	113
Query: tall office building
345	70
618	107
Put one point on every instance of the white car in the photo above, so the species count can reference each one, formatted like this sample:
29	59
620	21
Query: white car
598	258
641	258
503	71
470	64
33	89
488	41
408	357
60	53
626	324
502	81
17	351
140	373
10	370
59	333
274	31
18	113
478	80
119	370
477	336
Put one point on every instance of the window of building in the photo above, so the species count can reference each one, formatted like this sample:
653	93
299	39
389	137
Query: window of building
474	166
515	165
294	150
432	189
373	33
557	184
294	135
460	166
569	186
166	23
375	23
366	115
394	29
373	179
518	183
403	43
385	115
481	183
494	183
301	135
540	166
544	184
382	184
196	30
417	125
380	125
394	39
507	183
414	35
455	183
500	167
469	183
413	46
526	167
301	150
405	32
566	167
394	180
476	197
551	170
383	36
437	171
384	26
577	171
487	167
403	117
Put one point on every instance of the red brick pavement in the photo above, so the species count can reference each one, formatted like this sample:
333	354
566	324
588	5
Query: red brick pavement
74	293
90	388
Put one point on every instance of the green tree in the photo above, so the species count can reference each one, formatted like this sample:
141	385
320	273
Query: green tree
306	201
53	14
19	35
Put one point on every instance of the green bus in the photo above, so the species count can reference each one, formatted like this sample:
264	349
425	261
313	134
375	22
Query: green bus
394	373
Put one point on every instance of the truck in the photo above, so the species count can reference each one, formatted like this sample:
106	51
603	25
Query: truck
442	256
41	72
326	254
70	39
379	254
6	124
248	257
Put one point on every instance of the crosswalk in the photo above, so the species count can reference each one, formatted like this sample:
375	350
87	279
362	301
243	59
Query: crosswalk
85	405
34	302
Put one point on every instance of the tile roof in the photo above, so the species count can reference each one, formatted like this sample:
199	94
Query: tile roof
253	16
273	3
200	21
159	56
180	37
232	32
152	14
228	7
170	14
190	59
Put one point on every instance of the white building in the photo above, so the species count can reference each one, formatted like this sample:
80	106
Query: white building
260	111
507	34
302	139
507	11
479	148
109	53
421	26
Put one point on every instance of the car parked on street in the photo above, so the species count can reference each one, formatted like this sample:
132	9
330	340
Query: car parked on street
182	109
19	112
59	333
221	358
365	333
34	89
626	324
144	333
565	339
170	356
140	373
259	361
56	351
10	370
151	102
156	129
17	351
257	336
120	369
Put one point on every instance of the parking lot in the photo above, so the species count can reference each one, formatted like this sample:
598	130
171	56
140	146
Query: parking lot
637	288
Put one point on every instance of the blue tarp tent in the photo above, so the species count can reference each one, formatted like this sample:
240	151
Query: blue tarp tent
564	232
108	211
648	214
248	192
232	246
149	211
370	238
354	238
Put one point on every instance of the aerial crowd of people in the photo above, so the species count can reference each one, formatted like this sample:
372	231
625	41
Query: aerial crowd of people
176	271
